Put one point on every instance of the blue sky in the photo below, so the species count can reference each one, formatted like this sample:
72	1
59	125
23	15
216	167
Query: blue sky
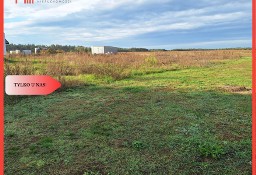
165	24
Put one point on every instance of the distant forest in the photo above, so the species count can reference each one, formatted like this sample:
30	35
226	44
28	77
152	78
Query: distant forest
67	48
51	48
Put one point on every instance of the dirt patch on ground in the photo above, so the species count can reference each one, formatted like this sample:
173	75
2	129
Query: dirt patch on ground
236	89
119	143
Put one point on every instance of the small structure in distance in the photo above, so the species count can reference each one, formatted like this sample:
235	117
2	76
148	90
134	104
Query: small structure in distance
26	52
103	50
15	52
37	50
18	52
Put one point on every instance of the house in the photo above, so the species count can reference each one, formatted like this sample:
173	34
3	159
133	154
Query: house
5	43
103	50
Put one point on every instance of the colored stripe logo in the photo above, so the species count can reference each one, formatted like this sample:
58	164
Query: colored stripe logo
26	1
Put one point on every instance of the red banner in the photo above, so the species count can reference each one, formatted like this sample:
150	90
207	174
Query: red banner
253	87
30	85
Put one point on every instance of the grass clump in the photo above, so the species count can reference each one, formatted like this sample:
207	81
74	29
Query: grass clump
138	145
211	149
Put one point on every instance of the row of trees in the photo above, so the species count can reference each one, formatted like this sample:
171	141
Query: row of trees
67	48
139	50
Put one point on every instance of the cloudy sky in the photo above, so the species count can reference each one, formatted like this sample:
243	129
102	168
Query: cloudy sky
165	24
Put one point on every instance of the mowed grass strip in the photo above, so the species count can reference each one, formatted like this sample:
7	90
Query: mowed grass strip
186	121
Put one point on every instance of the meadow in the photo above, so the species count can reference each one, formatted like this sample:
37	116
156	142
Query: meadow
159	113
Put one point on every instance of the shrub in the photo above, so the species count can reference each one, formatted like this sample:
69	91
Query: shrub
59	68
138	145
151	61
211	149
68	83
19	69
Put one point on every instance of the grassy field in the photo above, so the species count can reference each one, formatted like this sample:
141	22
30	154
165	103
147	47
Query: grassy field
161	116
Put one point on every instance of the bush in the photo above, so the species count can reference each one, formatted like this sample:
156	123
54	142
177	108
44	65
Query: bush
59	68
68	83
19	69
211	149
117	72
151	61
138	145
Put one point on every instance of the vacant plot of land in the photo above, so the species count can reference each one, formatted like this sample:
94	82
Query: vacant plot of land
185	120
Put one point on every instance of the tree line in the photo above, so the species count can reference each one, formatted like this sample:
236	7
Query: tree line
134	49
69	48
51	48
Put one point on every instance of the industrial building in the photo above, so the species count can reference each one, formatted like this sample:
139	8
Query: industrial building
103	50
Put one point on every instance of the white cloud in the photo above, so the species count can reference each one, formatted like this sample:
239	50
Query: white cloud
208	44
186	19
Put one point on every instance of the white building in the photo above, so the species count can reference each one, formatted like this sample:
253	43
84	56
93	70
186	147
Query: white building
26	52
103	50
15	52
37	50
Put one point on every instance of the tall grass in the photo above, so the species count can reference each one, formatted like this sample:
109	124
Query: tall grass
118	66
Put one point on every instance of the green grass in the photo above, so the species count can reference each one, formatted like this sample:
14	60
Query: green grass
174	122
237	73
